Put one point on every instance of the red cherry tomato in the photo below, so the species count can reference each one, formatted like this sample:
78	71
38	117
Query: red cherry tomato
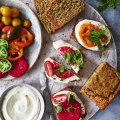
49	68
65	74
59	98
1	25
2	75
19	67
6	29
64	49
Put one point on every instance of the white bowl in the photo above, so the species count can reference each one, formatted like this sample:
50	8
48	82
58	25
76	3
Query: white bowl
42	105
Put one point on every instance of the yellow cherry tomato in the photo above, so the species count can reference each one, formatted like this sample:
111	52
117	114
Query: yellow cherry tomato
15	12
4	36
6	20
16	22
27	23
1	8
6	11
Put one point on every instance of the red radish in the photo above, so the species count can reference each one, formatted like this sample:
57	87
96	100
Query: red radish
2	75
64	49
49	68
6	29
59	98
19	67
1	25
65	75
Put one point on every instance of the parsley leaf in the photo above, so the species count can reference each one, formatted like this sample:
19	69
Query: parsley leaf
102	47
70	98
62	68
107	3
95	36
59	108
70	109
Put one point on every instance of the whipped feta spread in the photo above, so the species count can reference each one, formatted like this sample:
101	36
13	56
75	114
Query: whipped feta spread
21	103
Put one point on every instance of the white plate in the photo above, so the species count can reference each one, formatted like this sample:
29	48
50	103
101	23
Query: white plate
42	105
31	54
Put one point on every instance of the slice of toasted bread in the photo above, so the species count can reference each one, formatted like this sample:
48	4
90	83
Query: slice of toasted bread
61	12
41	6
69	90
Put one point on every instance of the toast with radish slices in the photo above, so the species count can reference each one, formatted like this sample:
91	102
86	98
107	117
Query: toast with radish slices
67	105
70	54
58	73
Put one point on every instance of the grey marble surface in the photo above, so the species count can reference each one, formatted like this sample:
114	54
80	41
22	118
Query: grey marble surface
112	17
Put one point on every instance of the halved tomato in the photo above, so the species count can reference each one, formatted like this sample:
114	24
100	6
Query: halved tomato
49	68
2	75
59	98
25	39
19	67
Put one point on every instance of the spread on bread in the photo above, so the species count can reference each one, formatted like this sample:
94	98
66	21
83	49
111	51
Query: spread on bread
68	106
70	54
57	72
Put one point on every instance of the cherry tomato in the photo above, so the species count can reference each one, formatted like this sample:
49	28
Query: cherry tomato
56	65
5	11
49	68
6	29
20	66
6	20
26	38
2	75
14	12
16	22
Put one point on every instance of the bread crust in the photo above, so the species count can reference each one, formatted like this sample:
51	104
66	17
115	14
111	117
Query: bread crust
55	7
103	85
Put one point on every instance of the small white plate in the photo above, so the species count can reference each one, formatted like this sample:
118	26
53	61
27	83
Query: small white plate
31	53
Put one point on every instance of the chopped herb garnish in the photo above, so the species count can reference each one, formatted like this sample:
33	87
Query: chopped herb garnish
59	108
107	3
70	98
102	47
62	68
96	37
70	109
74	58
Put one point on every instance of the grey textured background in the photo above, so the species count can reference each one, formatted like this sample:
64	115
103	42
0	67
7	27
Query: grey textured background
112	17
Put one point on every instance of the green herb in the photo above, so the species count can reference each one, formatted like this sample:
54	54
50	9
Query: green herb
62	68
70	98
70	109
102	47
74	58
107	3
59	108
62	79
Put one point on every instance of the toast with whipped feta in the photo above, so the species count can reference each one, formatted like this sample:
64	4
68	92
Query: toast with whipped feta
58	73
70	54
67	105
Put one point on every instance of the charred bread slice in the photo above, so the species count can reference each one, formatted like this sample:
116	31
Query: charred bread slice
67	105
58	73
61	12
103	85
70	54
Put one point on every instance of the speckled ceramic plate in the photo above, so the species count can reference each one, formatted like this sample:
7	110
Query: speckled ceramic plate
31	54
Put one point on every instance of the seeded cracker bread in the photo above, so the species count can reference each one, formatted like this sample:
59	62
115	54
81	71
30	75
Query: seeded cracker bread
61	12
41	6
70	89
103	85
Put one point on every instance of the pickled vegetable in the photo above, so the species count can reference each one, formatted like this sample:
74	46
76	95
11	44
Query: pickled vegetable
3	52
4	43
